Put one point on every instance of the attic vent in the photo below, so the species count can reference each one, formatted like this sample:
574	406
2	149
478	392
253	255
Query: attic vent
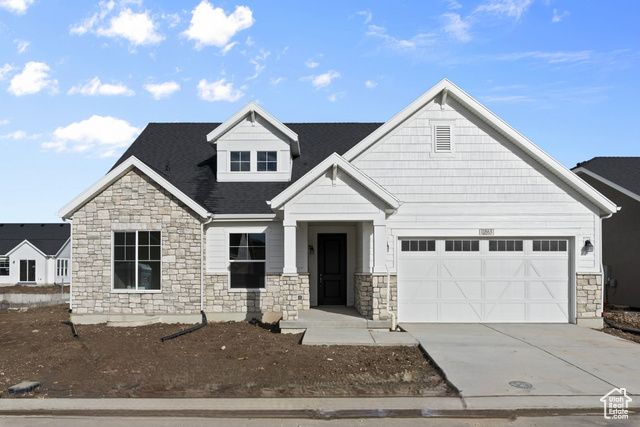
442	138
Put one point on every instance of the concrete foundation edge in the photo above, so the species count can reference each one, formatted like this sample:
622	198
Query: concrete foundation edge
591	322
148	319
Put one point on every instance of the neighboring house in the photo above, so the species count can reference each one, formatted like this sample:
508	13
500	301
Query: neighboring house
457	214
618	178
35	254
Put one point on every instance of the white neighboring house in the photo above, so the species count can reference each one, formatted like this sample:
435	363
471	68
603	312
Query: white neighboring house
35	254
442	214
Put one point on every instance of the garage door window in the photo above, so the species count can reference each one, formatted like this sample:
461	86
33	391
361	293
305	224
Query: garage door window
505	245
462	245
549	245
418	245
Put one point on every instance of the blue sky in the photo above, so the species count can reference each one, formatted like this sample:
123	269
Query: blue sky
80	79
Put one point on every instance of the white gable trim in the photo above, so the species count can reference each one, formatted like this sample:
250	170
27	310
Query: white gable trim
253	108
334	162
62	248
607	182
132	162
25	242
452	91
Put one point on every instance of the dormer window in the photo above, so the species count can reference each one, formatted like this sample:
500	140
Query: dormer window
267	161
240	161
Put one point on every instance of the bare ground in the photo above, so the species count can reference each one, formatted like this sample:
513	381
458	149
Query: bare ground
32	289
625	319
220	360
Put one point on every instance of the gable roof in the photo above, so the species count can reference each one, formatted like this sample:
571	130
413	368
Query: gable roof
250	110
180	153
620	173
335	160
47	238
116	173
446	89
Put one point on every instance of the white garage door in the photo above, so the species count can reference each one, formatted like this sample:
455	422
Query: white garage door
470	280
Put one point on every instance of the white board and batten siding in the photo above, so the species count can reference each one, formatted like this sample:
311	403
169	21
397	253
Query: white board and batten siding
485	183
255	136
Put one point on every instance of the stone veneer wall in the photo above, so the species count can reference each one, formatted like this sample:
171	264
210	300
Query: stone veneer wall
589	296
134	202
371	296
286	294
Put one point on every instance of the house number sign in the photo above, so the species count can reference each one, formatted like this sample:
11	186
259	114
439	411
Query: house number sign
486	231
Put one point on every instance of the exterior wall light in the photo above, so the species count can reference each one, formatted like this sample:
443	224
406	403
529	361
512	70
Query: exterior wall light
588	246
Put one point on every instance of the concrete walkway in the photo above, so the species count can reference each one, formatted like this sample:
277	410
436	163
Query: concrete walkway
353	336
551	361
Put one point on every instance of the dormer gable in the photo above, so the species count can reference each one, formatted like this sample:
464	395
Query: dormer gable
253	146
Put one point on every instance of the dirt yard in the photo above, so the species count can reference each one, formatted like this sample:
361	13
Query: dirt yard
625	319
219	360
32	289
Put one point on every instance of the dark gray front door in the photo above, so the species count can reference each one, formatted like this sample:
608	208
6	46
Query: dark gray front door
27	270
332	269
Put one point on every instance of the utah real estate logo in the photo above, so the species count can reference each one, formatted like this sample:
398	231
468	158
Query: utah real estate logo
616	404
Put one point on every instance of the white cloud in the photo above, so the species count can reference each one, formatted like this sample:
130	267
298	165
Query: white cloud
311	63
19	134
370	84
138	28
276	81
4	122
96	87
106	7
259	63
19	7
102	136
550	57
173	19
21	45
4	70
453	4
162	90
218	91
511	8
557	17
213	27
367	15
33	78
323	80
228	47
335	96
456	26
249	41
417	41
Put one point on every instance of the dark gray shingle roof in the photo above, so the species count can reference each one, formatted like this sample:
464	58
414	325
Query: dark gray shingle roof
49	238
623	171
181	154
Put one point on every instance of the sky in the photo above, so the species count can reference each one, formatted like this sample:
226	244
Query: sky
80	79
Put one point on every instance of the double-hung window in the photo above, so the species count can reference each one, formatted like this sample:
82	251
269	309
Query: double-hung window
267	161
4	266
137	260
240	161
247	255
62	267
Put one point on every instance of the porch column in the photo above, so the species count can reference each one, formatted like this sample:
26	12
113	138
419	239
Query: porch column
379	248
290	249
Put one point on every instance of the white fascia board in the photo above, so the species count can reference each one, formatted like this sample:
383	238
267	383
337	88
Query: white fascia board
231	122
331	161
243	217
607	182
62	247
535	152
123	168
26	242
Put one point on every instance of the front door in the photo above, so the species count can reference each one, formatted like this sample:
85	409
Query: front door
332	269
27	270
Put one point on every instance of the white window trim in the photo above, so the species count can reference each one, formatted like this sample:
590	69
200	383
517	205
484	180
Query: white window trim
452	151
8	261
260	230
62	266
277	163
136	290
251	156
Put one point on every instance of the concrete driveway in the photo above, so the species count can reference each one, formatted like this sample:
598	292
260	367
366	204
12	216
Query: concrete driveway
561	360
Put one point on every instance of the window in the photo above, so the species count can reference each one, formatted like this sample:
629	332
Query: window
418	245
462	245
62	267
267	161
247	255
442	138
136	260
240	161
505	245
549	245
4	266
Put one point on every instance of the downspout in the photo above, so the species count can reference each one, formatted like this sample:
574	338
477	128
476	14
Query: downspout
604	285
71	266
202	224
393	315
